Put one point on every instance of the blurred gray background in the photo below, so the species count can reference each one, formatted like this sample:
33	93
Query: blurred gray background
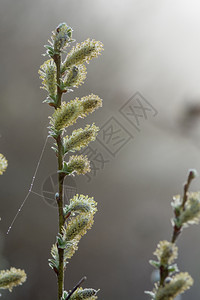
151	47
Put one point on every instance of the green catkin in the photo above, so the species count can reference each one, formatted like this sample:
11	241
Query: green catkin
166	252
191	212
81	294
48	76
61	36
3	164
66	115
90	103
177	285
76	228
79	164
11	278
82	53
81	203
80	138
75	76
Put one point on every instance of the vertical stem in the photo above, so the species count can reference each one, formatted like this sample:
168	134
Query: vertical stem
186	187
61	221
57	60
177	230
163	274
176	233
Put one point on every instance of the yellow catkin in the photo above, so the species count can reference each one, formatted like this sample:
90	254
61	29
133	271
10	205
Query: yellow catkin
178	284
166	252
81	294
3	164
75	76
11	278
82	52
191	212
90	103
48	75
79	164
66	115
80	138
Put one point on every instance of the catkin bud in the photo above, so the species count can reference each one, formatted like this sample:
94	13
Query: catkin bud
78	207
66	115
177	285
61	36
79	164
48	76
76	227
82	53
90	103
87	294
11	278
166	252
70	248
3	164
75	76
193	173
81	204
191	212
80	138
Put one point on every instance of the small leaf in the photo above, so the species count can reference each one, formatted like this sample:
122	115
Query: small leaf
54	149
65	170
50	51
48	47
155	264
173	268
53	265
61	242
65	295
51	100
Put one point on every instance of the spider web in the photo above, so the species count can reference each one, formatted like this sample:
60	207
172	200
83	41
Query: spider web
30	188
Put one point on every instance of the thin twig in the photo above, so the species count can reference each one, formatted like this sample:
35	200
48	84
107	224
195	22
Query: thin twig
186	187
57	60
76	286
177	230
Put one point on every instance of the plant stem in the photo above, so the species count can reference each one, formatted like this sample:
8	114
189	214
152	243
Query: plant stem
177	230
186	188
176	233
57	60
61	221
163	274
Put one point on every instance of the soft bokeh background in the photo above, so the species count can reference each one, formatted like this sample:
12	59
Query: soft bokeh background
150	46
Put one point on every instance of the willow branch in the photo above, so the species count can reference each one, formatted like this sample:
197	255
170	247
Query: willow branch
57	59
